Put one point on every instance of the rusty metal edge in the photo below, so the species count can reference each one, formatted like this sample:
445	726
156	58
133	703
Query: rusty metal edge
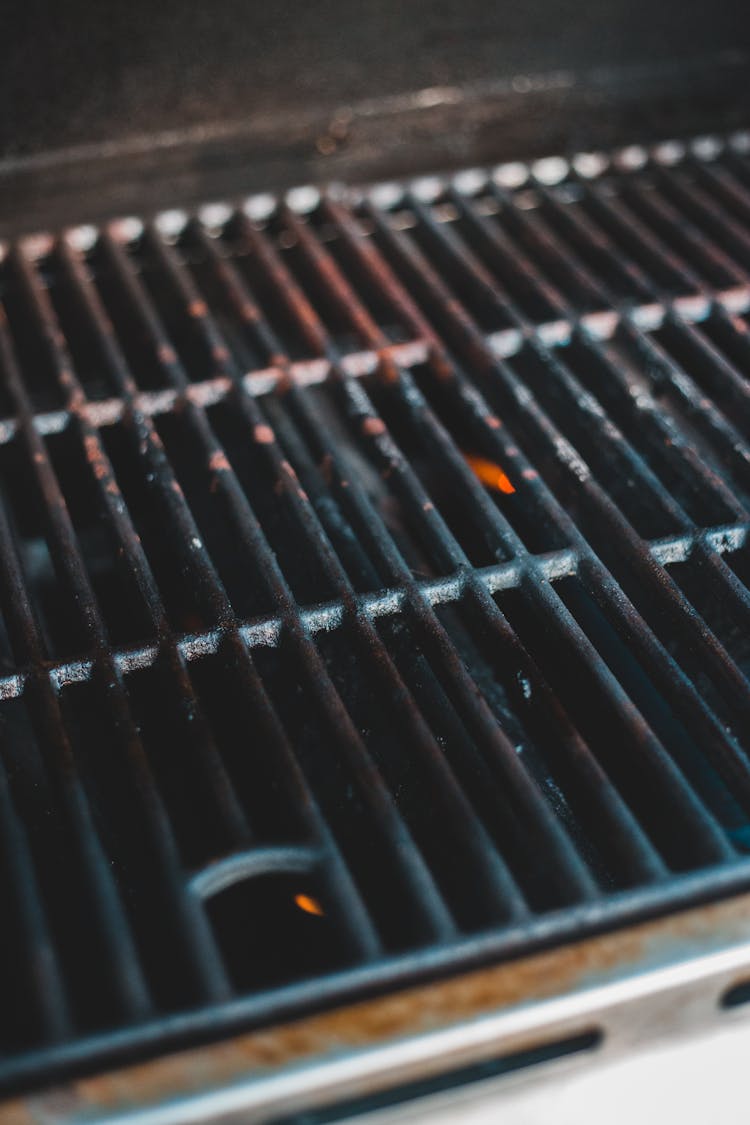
675	968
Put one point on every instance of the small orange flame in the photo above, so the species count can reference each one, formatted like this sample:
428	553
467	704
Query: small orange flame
490	474
309	904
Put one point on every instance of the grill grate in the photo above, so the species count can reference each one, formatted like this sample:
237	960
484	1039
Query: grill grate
374	579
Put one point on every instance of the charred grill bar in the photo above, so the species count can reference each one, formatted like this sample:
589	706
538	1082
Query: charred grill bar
294	704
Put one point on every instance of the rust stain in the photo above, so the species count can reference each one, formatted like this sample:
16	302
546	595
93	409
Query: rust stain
264	435
373	427
17	1114
326	145
166	354
285	381
425	1008
387	369
218	463
306	313
197	309
490	474
96	458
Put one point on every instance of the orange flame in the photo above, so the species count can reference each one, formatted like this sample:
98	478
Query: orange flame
490	474
309	904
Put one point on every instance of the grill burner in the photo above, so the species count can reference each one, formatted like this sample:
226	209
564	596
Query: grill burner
294	705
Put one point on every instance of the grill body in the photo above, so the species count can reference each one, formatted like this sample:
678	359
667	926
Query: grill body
374	583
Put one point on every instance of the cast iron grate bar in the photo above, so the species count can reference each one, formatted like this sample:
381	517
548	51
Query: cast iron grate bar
375	588
610	519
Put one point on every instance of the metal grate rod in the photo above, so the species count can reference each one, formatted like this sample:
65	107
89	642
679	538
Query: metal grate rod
508	454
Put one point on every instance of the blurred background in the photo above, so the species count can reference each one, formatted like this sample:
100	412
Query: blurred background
137	104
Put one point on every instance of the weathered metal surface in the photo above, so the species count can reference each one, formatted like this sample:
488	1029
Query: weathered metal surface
272	641
576	974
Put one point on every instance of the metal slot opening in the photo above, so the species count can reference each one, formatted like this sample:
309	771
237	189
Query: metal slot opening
451	1080
736	996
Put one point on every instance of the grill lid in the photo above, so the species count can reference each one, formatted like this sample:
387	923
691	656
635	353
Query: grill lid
373	572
